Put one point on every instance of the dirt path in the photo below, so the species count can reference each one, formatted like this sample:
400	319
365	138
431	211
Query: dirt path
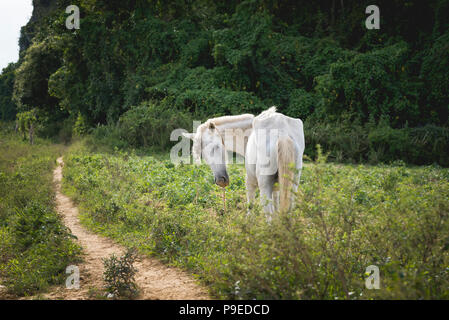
154	279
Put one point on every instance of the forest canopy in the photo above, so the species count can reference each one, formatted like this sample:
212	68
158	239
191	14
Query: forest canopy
386	89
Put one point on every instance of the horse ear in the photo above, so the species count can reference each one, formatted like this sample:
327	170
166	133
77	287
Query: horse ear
188	135
211	125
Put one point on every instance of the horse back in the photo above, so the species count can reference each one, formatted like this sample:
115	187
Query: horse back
285	125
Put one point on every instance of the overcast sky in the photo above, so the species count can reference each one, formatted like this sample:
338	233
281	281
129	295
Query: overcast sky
13	15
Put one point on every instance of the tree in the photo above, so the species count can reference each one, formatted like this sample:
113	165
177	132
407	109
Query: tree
7	106
27	122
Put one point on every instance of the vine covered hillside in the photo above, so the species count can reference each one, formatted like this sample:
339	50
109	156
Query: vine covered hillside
195	59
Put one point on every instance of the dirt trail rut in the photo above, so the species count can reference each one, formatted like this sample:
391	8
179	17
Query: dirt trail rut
154	279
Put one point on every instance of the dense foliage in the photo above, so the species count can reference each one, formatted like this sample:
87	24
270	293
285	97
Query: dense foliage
7	107
314	60
351	141
35	247
348	217
137	69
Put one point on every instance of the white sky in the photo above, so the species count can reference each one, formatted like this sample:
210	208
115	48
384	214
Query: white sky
14	14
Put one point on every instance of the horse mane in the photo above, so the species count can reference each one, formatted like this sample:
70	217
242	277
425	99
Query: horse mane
219	121
267	113
227	119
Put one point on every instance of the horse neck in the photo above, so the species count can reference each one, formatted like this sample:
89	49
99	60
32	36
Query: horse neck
235	131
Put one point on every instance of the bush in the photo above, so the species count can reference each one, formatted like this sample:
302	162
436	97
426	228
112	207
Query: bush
119	275
41	265
150	124
301	104
80	127
370	85
434	71
8	108
66	132
350	141
107	136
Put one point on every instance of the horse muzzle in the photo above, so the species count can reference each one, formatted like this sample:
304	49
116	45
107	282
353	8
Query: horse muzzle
222	180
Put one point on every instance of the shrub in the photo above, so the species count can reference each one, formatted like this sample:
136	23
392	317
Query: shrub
350	141
150	124
66	131
370	85
8	107
219	101
301	104
80	127
119	275
434	71
107	136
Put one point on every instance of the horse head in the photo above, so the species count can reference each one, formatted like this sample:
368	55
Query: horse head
208	144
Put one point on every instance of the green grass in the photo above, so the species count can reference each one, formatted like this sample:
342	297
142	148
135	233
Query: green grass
35	247
347	218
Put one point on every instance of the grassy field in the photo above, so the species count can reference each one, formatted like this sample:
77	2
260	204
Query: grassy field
35	247
348	217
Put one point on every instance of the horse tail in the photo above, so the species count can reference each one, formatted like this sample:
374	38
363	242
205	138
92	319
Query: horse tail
286	155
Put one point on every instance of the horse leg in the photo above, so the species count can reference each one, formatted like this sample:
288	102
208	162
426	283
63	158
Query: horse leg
250	166
266	194
276	195
251	186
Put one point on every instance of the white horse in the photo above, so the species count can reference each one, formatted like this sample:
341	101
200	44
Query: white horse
276	142
269	142
215	137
